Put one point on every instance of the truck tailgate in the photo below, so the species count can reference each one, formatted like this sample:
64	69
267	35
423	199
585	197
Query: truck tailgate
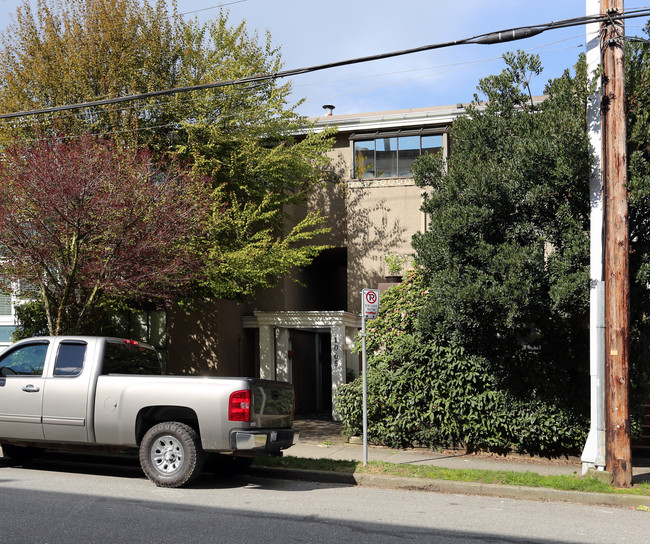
271	404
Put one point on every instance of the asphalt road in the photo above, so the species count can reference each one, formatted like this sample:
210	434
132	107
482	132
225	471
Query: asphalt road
70	501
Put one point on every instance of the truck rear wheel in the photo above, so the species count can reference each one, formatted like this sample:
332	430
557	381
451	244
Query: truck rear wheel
171	454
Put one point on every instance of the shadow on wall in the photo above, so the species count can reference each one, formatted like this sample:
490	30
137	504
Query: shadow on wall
374	229
367	222
208	341
330	199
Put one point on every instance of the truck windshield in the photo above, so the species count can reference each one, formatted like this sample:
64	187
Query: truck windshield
125	357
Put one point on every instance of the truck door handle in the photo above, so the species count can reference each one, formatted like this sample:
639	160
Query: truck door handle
31	389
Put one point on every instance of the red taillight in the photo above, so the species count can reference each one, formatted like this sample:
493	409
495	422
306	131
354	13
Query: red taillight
239	407
132	342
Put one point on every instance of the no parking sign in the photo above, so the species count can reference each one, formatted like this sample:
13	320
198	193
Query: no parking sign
370	305
370	302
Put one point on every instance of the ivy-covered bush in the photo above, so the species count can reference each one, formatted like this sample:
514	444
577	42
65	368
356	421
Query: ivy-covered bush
422	393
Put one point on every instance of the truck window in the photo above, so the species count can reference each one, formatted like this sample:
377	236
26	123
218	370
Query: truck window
122	357
70	359
25	360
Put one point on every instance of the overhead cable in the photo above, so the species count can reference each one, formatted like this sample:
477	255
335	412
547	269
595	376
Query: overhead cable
487	38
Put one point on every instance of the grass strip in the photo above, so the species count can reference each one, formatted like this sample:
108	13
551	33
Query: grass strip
503	477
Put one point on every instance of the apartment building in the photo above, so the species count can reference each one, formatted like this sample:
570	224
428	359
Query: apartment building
305	332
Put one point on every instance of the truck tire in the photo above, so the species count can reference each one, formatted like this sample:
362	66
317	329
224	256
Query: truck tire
171	454
19	453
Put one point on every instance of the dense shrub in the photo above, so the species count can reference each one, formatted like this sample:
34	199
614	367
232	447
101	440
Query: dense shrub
421	393
442	398
506	252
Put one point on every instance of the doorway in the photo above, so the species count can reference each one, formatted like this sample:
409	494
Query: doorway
312	370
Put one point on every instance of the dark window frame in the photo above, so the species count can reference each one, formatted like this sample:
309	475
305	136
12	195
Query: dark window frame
362	153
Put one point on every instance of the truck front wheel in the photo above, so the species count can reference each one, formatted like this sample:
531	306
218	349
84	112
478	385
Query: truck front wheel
171	454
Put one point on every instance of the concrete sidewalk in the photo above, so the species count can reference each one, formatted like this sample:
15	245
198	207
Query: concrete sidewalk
452	460
321	438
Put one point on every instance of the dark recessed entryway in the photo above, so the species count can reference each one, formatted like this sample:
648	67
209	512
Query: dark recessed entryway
311	365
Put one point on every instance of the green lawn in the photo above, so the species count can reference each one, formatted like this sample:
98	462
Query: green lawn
504	477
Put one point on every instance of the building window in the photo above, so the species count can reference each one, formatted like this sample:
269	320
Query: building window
391	155
5	305
5	334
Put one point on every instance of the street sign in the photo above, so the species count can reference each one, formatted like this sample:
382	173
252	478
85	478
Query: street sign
370	309
370	302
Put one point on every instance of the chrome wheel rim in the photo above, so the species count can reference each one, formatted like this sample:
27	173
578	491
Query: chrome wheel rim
167	454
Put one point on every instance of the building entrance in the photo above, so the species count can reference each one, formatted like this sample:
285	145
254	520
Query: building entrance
312	370
312	350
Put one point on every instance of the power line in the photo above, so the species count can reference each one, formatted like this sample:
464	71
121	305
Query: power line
218	6
438	70
158	103
246	92
483	39
182	125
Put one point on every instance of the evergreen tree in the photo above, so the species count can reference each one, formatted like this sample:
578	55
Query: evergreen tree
637	90
506	254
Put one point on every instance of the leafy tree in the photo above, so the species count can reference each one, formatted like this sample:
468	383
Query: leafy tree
637	87
88	224
487	345
242	136
507	251
32	320
251	238
67	51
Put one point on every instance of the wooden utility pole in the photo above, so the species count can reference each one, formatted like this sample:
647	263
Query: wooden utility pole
617	283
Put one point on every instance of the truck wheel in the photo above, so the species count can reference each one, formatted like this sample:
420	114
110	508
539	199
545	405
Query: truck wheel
20	453
171	454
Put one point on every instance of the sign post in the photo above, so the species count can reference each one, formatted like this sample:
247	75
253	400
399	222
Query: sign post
370	306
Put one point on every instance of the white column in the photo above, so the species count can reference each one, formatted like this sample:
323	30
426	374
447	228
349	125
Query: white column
267	352
282	371
351	358
593	455
338	360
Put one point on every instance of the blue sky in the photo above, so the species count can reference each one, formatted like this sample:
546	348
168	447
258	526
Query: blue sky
311	32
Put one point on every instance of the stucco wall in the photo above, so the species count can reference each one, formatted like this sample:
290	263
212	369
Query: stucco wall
367	220
370	218
209	341
382	218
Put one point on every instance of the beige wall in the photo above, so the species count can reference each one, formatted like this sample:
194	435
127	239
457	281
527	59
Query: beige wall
367	220
382	218
373	218
210	341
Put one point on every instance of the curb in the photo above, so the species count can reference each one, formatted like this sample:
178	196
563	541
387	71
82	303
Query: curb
455	487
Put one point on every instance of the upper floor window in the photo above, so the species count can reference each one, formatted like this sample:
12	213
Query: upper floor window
391	155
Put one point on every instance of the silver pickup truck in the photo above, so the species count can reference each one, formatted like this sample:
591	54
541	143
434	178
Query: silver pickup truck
108	394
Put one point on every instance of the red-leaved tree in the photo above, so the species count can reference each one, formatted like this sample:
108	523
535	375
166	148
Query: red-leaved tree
89	223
